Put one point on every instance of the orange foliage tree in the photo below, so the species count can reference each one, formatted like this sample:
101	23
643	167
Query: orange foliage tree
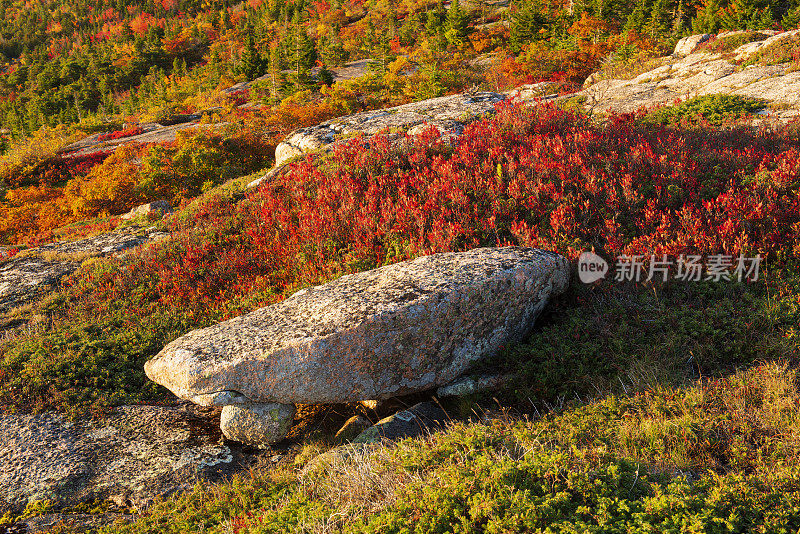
108	188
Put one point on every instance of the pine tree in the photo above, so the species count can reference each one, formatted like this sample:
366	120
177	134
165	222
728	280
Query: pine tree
527	19
301	51
659	25
791	20
434	23
746	15
707	19
250	64
332	49
380	50
457	24
637	20
275	73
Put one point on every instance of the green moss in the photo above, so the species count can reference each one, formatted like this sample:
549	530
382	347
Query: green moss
575	104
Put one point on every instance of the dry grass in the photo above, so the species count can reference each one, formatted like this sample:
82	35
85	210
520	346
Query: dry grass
631	68
355	480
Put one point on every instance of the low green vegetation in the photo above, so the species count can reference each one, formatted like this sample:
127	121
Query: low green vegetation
728	43
635	338
720	456
713	109
786	50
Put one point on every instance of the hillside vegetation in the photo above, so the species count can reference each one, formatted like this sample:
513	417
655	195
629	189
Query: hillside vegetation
654	406
668	407
72	69
538	177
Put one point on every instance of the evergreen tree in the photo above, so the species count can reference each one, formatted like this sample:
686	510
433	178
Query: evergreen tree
380	50
301	51
707	19
746	15
434	23
659	25
250	64
680	15
527	20
637	20
791	20
331	48
275	73
457	25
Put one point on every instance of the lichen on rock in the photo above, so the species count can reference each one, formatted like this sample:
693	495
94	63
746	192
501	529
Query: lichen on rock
399	329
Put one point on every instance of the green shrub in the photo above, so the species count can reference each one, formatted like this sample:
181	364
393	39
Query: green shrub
599	340
785	50
730	43
714	109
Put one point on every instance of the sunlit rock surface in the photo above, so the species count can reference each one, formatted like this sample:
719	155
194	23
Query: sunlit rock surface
399	329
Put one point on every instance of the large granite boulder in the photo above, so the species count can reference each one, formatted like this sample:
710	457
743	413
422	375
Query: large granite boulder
390	331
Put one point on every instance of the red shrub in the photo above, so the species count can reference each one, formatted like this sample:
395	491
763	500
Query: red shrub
530	176
242	96
119	134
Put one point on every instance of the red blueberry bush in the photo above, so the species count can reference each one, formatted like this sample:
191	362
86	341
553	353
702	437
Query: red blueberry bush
119	134
537	177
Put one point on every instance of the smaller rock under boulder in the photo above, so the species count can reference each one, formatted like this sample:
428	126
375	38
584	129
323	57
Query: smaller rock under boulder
410	423
472	384
255	423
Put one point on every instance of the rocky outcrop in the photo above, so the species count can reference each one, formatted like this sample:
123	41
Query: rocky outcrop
135	454
748	49
448	113
703	73
399	329
34	272
161	206
165	132
686	46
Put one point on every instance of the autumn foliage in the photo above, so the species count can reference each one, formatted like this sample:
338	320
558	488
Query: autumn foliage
119	134
538	177
111	184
